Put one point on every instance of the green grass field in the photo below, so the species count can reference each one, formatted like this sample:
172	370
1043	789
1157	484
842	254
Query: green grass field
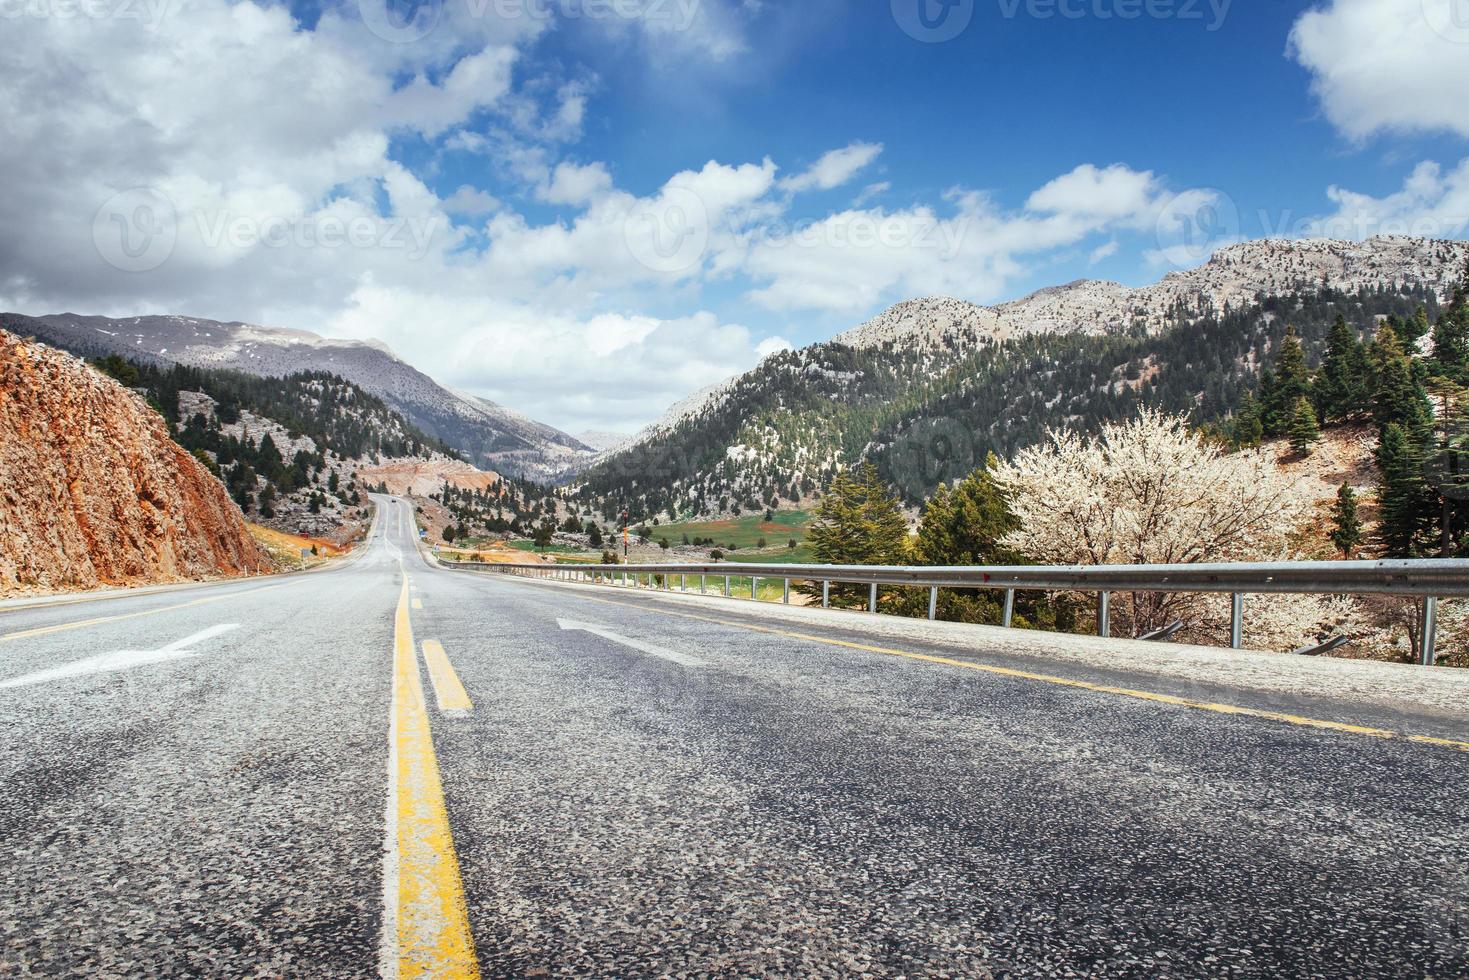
744	532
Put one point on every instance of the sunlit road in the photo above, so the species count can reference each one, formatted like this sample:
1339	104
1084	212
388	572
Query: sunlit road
390	768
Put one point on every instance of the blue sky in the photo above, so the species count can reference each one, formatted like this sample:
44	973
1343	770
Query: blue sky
586	209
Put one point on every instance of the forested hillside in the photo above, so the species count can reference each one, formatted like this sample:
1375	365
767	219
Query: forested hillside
285	447
929	415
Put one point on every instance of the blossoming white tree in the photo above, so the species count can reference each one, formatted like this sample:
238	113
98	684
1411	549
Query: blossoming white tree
1148	491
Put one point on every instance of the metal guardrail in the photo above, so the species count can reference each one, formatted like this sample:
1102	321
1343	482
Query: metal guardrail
1425	579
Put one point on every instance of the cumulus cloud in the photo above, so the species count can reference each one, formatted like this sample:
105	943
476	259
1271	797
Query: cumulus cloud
307	217
847	262
834	168
1387	65
574	184
1104	193
1431	203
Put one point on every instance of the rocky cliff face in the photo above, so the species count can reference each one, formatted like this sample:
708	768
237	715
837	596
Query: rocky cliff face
93	491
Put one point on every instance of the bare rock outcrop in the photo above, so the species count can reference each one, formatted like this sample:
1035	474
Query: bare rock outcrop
94	492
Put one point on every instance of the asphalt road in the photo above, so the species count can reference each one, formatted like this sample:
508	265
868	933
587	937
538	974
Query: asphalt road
273	778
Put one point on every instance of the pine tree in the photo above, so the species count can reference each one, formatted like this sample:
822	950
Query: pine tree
964	526
1302	429
1341	385
1346	532
858	522
1245	430
1287	382
1451	335
1401	495
1397	395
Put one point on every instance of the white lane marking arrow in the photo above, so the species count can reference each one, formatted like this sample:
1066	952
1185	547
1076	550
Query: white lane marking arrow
648	648
121	659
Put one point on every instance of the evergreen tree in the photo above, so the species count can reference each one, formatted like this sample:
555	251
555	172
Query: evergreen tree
1414	328
1341	384
1397	395
963	526
1302	429
1402	496
1451	336
1346	532
858	522
1288	381
1245	429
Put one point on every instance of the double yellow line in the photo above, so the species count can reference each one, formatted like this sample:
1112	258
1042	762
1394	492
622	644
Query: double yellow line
426	919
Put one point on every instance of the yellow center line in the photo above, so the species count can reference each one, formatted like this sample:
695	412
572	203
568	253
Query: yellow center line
80	624
426	922
1223	709
451	695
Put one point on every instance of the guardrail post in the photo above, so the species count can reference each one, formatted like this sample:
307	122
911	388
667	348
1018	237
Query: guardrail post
825	595
1427	632
726	586
785	592
1104	614
683	582
1236	621
872	598
754	587
1009	613
703	581
933	602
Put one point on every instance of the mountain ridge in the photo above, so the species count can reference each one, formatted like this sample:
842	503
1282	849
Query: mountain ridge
939	375
499	438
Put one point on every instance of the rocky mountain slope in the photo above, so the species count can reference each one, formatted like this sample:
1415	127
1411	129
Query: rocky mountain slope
930	386
1235	276
487	433
93	491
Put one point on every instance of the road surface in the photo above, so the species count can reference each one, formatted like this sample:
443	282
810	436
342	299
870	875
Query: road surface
389	769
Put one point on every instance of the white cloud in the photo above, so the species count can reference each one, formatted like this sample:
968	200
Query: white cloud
1430	204
1387	65
471	201
1104	251
277	162
1114	192
833	169
848	262
870	192
574	184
